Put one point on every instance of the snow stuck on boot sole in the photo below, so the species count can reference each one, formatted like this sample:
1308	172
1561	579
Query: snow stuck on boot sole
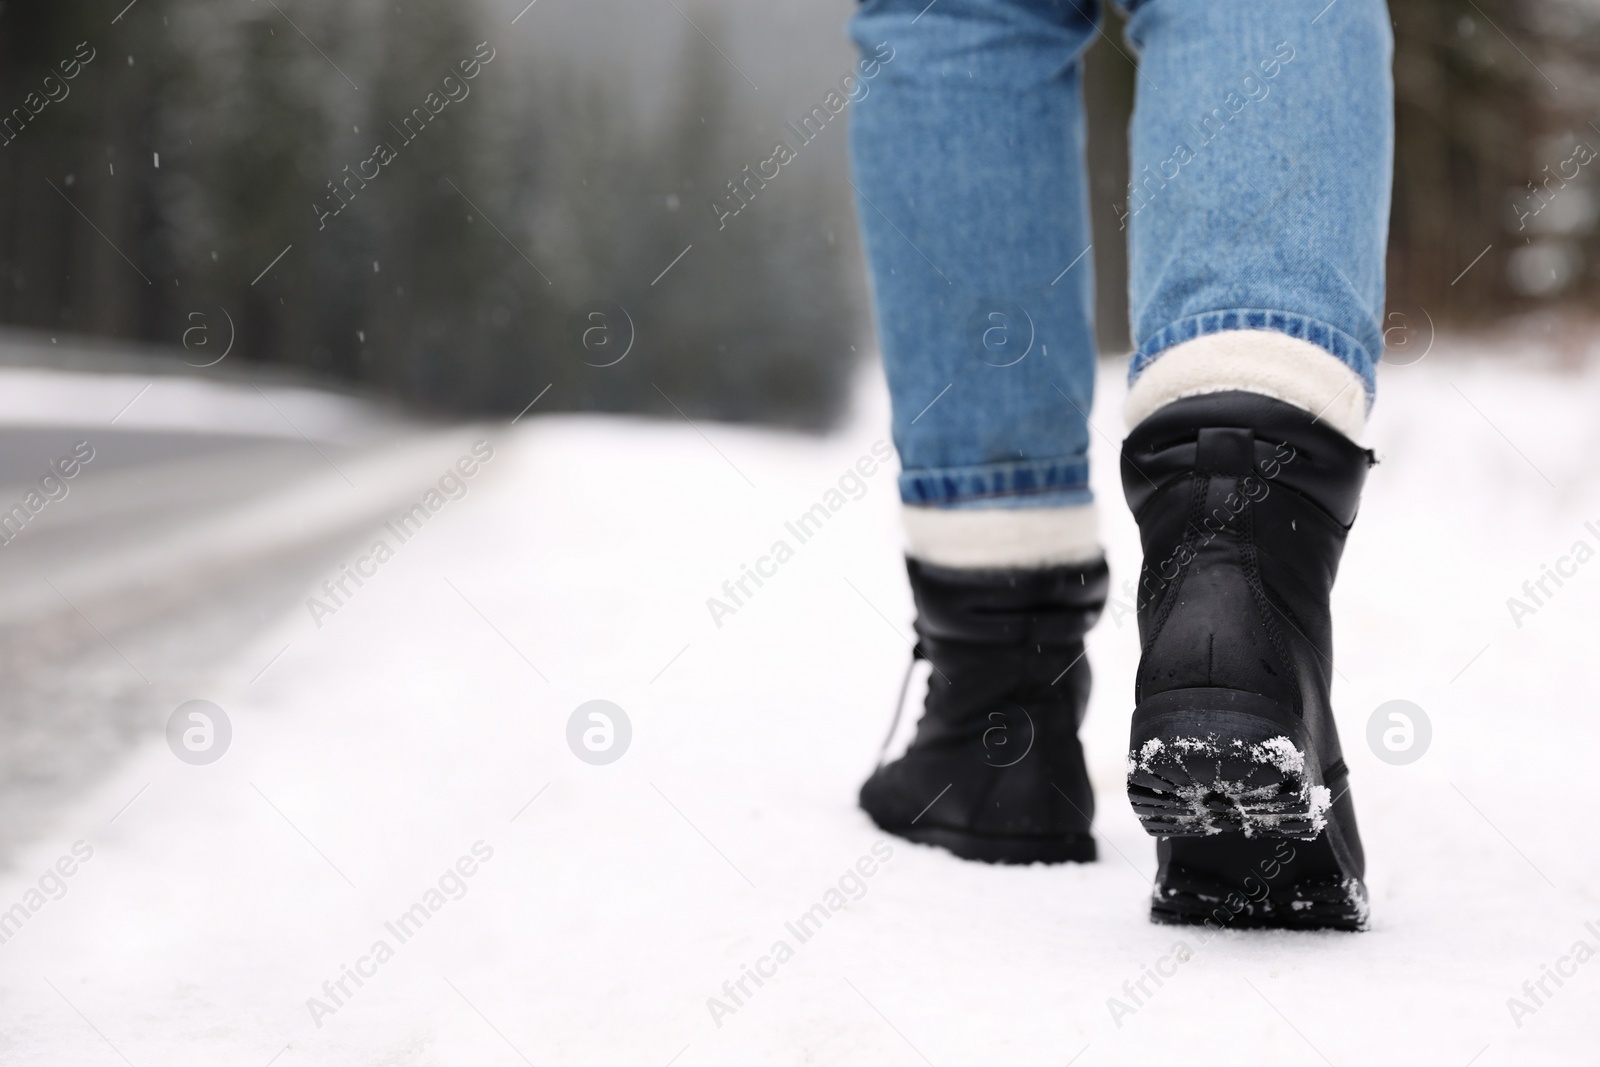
1199	786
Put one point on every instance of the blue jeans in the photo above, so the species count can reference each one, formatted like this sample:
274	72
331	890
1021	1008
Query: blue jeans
1262	142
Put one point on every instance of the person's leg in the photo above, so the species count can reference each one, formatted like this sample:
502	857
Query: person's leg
1258	211
968	166
967	155
1262	146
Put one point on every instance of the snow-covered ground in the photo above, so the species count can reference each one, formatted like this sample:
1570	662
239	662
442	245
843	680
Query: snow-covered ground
420	732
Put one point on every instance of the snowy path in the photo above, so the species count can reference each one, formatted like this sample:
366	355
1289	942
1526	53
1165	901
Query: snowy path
421	731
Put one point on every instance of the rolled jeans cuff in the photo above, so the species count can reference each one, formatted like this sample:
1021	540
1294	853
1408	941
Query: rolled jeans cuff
1331	339
1037	483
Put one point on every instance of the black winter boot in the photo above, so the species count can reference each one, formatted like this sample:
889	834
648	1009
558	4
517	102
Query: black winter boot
1243	503
996	772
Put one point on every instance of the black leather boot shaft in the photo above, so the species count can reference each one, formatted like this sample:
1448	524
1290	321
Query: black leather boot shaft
1048	606
995	771
1243	504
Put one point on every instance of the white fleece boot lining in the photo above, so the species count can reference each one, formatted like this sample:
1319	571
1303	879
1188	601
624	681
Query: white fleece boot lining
1256	361
996	538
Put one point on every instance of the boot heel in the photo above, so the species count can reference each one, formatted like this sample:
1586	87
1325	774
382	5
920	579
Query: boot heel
1213	761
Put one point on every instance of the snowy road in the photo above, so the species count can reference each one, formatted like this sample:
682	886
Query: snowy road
142	540
400	860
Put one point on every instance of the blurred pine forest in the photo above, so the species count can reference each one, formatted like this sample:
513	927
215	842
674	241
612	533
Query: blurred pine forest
514	245
519	243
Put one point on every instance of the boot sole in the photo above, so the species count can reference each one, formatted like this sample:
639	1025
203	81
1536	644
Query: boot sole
1212	761
1308	891
1328	904
985	848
